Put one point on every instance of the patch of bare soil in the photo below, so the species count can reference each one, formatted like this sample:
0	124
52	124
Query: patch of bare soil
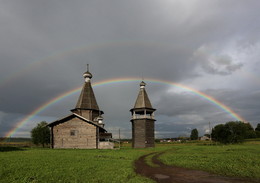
166	174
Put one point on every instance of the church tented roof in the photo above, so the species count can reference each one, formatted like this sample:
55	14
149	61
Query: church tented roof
87	98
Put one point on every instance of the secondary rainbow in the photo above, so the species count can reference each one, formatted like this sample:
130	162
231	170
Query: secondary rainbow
119	80
60	55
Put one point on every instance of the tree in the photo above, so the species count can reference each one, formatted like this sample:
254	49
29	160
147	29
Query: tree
41	134
219	133
233	132
257	130
250	133
194	134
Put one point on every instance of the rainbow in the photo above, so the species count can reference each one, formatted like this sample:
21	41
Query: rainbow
120	80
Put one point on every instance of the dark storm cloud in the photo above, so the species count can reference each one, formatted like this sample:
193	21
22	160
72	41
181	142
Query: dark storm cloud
7	121
245	103
178	41
180	110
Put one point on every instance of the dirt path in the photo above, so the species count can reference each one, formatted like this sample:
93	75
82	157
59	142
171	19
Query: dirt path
164	173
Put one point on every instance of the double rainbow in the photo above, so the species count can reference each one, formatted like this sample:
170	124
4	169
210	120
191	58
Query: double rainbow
121	80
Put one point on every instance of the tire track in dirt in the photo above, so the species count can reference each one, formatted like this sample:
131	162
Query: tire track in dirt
171	174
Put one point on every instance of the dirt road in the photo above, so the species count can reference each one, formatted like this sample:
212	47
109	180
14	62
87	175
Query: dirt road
166	174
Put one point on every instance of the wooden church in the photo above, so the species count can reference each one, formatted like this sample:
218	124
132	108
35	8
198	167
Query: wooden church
142	120
84	127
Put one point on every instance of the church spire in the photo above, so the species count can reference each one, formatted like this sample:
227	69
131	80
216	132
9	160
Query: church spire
87	75
87	100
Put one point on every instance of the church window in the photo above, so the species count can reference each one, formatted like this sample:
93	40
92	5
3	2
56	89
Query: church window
72	132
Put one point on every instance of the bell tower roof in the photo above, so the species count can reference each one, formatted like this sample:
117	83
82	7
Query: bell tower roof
142	100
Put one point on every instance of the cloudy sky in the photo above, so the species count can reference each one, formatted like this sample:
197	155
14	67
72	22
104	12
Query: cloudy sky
210	46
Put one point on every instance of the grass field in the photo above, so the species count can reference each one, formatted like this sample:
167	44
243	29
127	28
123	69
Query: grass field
69	165
230	160
75	165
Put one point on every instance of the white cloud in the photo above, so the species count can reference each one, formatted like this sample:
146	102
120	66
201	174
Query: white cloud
213	61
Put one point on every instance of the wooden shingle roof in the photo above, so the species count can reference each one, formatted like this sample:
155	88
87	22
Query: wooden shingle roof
87	99
142	100
73	115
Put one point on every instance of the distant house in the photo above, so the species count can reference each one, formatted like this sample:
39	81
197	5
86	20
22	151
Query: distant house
204	138
84	127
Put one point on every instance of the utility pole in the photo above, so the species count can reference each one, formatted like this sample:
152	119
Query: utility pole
119	137
209	132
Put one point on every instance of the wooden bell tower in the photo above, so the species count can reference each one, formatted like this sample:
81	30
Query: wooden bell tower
142	120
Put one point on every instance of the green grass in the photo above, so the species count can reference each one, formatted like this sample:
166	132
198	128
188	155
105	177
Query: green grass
231	160
148	161
18	164
69	165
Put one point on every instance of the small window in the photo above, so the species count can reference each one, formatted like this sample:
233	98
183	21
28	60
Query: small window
72	132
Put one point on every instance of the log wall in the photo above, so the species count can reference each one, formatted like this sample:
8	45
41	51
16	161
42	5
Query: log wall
142	133
75	133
